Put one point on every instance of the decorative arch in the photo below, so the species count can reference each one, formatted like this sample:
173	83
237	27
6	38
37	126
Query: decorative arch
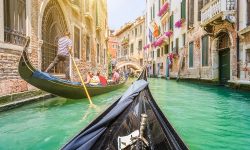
223	40
53	27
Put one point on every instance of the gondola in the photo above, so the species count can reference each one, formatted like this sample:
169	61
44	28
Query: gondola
57	86
133	122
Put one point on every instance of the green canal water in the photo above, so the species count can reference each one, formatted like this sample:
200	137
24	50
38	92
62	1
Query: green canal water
206	117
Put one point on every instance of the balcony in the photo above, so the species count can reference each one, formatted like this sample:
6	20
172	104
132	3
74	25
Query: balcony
125	42
217	9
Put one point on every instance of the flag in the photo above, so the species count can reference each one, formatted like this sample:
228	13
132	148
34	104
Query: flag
156	30
150	35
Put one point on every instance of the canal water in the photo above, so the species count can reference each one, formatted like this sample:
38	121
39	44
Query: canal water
206	117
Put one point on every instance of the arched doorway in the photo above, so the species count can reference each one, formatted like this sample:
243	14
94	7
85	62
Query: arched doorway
223	46
53	27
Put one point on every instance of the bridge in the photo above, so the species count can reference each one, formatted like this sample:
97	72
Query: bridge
128	62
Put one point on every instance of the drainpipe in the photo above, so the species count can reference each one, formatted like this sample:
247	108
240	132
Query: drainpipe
238	42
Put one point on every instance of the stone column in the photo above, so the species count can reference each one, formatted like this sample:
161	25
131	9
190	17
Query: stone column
215	60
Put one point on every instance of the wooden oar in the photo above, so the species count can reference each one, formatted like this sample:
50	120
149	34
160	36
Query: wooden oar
85	89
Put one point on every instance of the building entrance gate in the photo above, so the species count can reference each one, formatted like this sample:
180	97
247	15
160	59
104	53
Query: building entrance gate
53	27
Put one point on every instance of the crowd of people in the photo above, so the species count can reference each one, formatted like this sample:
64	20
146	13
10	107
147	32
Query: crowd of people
98	79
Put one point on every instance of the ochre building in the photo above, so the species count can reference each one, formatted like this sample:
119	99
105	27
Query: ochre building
45	21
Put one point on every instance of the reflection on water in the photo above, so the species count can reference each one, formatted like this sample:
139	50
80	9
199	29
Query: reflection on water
206	117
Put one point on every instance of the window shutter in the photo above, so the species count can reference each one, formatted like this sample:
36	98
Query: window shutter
158	52
205	51
191	46
191	13
200	5
248	12
177	45
171	25
183	9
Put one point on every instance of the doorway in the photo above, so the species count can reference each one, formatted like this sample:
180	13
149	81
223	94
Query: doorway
224	57
53	27
224	66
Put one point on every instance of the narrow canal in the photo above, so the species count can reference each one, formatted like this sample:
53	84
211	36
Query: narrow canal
206	117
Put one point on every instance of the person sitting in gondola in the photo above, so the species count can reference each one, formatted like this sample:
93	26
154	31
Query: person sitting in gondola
103	80
63	52
89	76
94	81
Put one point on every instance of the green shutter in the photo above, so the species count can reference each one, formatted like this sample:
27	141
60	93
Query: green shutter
205	51
191	55
166	49
183	9
171	22
158	52
154	11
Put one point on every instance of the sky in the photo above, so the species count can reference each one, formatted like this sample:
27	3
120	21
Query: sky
123	11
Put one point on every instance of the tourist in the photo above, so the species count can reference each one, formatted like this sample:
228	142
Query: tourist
116	76
63	52
89	76
94	81
103	80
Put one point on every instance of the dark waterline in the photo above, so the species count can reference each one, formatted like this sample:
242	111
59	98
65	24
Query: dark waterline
206	117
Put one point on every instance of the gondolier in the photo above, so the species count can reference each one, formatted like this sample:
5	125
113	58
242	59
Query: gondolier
64	49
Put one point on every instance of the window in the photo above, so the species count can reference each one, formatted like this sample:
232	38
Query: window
158	52
191	14
191	60
140	29
135	31
183	39
76	42
248	12
183	9
131	49
151	13
162	51
171	22
140	45
248	55
166	49
200	5
159	4
154	11
97	15
205	51
125	52
98	53
87	48
172	46
176	45
15	21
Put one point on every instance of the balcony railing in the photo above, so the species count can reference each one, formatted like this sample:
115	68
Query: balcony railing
14	37
215	9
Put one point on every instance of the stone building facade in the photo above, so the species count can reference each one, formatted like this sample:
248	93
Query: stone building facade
199	39
113	45
244	40
45	21
131	38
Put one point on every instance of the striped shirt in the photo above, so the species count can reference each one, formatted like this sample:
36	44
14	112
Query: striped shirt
63	46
